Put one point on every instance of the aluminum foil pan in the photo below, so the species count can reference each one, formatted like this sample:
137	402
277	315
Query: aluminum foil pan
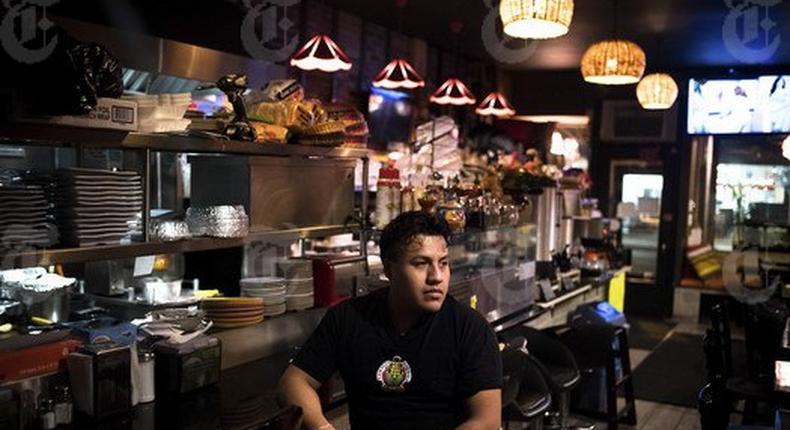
169	231
218	221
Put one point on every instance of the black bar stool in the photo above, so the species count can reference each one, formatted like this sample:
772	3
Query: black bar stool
557	365
525	394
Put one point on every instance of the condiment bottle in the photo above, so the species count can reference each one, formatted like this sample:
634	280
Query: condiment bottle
387	196
64	407
146	360
46	413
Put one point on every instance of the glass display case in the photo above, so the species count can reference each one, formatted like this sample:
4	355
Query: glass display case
493	270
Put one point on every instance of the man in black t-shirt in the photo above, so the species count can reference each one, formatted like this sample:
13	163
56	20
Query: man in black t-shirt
410	356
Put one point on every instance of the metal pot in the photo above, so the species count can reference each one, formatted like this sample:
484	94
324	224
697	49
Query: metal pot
588	228
52	305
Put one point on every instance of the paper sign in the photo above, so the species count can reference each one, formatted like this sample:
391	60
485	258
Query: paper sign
144	265
545	288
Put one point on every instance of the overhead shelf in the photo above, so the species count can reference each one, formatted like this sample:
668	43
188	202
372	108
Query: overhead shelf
52	135
46	257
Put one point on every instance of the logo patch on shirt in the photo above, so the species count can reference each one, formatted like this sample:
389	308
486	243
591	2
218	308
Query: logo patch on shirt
394	374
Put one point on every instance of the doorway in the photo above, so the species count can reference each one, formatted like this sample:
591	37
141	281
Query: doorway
636	199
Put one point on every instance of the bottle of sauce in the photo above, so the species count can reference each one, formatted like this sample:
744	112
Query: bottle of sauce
388	196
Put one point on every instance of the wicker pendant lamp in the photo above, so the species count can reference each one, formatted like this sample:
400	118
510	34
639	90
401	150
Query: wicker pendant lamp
657	91
536	19
614	61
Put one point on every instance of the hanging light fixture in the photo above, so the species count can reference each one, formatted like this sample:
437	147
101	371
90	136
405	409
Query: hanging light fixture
536	19
398	74
495	104
657	91
613	62
453	92
321	53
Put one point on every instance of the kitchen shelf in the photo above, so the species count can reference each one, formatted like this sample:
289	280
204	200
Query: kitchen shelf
52	135
46	257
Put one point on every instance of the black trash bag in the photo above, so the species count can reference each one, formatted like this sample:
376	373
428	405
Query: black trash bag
95	73
69	81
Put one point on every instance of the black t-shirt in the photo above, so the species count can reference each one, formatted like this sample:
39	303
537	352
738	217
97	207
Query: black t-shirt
418	380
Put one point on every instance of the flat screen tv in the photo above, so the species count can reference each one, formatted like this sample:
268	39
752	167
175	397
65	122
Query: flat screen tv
739	106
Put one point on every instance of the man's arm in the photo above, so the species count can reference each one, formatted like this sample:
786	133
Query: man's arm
485	411
300	389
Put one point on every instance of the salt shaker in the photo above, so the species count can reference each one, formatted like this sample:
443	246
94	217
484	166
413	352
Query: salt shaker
46	413
146	360
64	407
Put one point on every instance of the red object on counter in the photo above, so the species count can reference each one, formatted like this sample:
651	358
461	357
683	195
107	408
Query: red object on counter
35	361
324	286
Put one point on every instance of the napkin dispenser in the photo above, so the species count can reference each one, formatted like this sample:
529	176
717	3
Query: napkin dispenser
185	367
101	379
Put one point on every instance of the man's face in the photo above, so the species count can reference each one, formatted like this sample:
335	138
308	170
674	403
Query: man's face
421	277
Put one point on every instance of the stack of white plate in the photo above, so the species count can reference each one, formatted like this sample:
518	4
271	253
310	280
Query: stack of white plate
299	294
24	219
96	207
295	268
270	289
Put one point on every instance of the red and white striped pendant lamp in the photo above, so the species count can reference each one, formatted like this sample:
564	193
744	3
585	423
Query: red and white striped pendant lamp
321	53
398	74
453	92
495	104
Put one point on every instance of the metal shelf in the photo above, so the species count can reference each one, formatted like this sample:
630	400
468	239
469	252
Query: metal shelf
51	135
46	257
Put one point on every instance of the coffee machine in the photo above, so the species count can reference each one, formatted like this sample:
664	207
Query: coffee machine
546	214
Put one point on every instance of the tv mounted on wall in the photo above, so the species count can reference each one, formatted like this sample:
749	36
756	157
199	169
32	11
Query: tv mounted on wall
739	106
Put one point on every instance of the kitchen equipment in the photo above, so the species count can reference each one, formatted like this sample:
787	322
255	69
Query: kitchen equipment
107	278
336	277
181	368
157	291
588	228
52	305
101	378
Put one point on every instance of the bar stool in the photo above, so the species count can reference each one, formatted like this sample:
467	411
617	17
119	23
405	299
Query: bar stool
598	346
556	364
525	394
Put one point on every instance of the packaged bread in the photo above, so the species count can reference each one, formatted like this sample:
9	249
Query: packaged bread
269	132
282	113
283	89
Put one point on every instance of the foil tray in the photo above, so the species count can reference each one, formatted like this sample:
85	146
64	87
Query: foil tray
218	221
169	231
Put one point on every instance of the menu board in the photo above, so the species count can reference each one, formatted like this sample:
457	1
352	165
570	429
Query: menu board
739	106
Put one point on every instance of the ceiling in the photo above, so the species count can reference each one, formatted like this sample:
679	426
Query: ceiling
675	34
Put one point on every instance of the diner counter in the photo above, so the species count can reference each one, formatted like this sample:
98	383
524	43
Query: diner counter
246	396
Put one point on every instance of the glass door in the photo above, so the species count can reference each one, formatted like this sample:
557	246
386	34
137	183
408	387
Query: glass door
639	209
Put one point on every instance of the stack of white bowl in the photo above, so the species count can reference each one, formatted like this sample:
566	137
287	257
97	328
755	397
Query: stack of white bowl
270	289
298	276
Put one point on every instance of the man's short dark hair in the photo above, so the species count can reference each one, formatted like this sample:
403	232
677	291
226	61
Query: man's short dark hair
402	231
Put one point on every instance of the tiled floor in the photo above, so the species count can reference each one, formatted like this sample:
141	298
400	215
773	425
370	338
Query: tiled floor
650	415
